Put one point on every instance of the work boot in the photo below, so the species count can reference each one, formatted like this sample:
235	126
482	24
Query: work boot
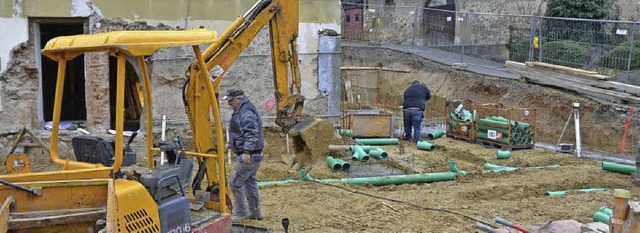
239	217
256	215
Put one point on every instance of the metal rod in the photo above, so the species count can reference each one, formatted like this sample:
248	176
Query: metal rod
20	187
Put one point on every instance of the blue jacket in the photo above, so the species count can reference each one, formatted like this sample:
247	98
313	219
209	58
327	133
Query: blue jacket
245	129
416	96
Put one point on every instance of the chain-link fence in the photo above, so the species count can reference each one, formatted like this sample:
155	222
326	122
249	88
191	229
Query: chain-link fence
481	39
489	40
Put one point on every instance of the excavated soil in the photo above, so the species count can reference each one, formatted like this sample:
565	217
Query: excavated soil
517	196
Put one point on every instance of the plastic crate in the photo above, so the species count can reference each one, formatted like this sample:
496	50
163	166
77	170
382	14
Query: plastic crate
505	126
459	120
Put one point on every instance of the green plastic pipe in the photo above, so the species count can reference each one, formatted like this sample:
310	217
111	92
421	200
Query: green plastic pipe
486	127
435	135
424	145
379	180
497	168
364	148
359	154
377	141
619	168
346	167
503	154
401	179
602	217
519	125
466	115
345	132
605	210
333	164
498	118
563	192
378	153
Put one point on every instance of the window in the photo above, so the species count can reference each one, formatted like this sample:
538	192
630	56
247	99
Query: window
357	18
348	18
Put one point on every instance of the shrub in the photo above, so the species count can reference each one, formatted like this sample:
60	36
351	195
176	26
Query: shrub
619	57
565	53
519	49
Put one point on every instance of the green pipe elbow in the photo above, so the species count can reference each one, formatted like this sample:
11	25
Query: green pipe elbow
359	154
503	154
377	141
366	149
435	135
455	169
424	145
333	164
378	153
619	168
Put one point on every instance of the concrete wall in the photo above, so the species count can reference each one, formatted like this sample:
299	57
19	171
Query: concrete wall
19	59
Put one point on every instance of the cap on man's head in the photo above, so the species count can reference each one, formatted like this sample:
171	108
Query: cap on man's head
232	93
415	82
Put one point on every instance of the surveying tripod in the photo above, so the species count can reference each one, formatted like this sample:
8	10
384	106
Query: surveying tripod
575	114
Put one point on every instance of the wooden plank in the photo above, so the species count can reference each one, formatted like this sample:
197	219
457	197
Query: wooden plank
54	217
7	207
627	88
564	68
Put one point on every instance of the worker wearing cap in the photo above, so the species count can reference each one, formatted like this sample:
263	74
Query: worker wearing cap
413	104
246	140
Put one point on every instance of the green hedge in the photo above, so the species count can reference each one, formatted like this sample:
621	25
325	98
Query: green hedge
566	53
619	57
519	49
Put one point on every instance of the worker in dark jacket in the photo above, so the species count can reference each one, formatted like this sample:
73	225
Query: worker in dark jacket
414	101
246	140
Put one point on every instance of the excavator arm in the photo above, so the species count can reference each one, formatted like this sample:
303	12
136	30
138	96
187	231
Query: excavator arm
282	18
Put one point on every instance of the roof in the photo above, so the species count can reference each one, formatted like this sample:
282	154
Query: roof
133	43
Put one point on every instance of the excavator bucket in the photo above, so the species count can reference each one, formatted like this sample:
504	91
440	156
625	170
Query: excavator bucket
311	140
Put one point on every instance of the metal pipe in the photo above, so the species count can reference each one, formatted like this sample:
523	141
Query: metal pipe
576	118
619	168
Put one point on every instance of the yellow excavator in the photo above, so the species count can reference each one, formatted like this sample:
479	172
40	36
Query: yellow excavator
93	194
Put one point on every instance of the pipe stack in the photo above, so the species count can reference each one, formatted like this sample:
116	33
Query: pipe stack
505	131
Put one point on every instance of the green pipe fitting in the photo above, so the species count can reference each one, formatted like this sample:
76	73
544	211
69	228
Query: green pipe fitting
346	167
377	141
619	168
424	145
333	164
435	135
454	168
503	154
602	217
345	132
378	153
364	148
466	116
265	183
359	154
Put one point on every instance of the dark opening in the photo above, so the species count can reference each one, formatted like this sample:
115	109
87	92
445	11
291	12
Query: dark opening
132	100
357	18
73	102
439	22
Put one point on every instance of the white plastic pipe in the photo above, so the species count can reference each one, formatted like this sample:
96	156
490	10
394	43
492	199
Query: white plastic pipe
576	118
164	127
287	143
